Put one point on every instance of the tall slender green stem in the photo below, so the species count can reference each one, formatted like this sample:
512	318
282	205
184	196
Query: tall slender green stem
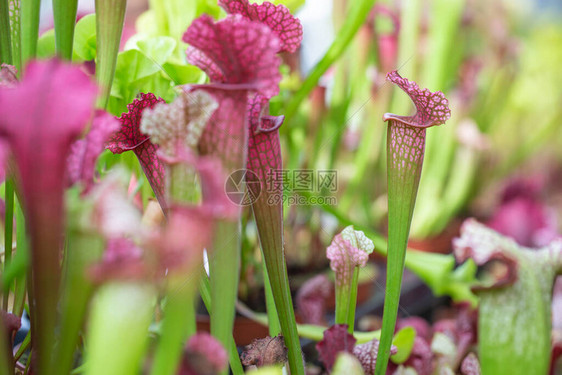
405	149
5	33
224	279
352	301
272	316
269	220
24	346
64	13
342	305
110	15
233	358
178	324
8	229
45	272
83	249
6	366
15	29
22	260
118	327
30	10
179	310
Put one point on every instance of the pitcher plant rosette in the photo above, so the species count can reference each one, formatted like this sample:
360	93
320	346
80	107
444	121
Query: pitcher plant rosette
148	165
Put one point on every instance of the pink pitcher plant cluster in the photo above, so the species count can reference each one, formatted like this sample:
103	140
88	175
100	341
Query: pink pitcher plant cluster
187	149
60	159
203	132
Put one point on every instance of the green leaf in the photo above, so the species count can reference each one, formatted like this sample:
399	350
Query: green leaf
20	262
182	74
439	273
5	34
158	49
29	23
15	29
110	16
46	45
156	84
64	14
211	8
85	38
293	5
116	105
404	341
133	65
119	317
136	73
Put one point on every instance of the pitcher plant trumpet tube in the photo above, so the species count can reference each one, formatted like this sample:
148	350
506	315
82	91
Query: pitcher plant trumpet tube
405	147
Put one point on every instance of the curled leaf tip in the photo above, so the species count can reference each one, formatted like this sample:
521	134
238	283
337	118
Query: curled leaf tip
358	239
277	17
264	150
235	51
349	249
432	108
484	245
270	123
